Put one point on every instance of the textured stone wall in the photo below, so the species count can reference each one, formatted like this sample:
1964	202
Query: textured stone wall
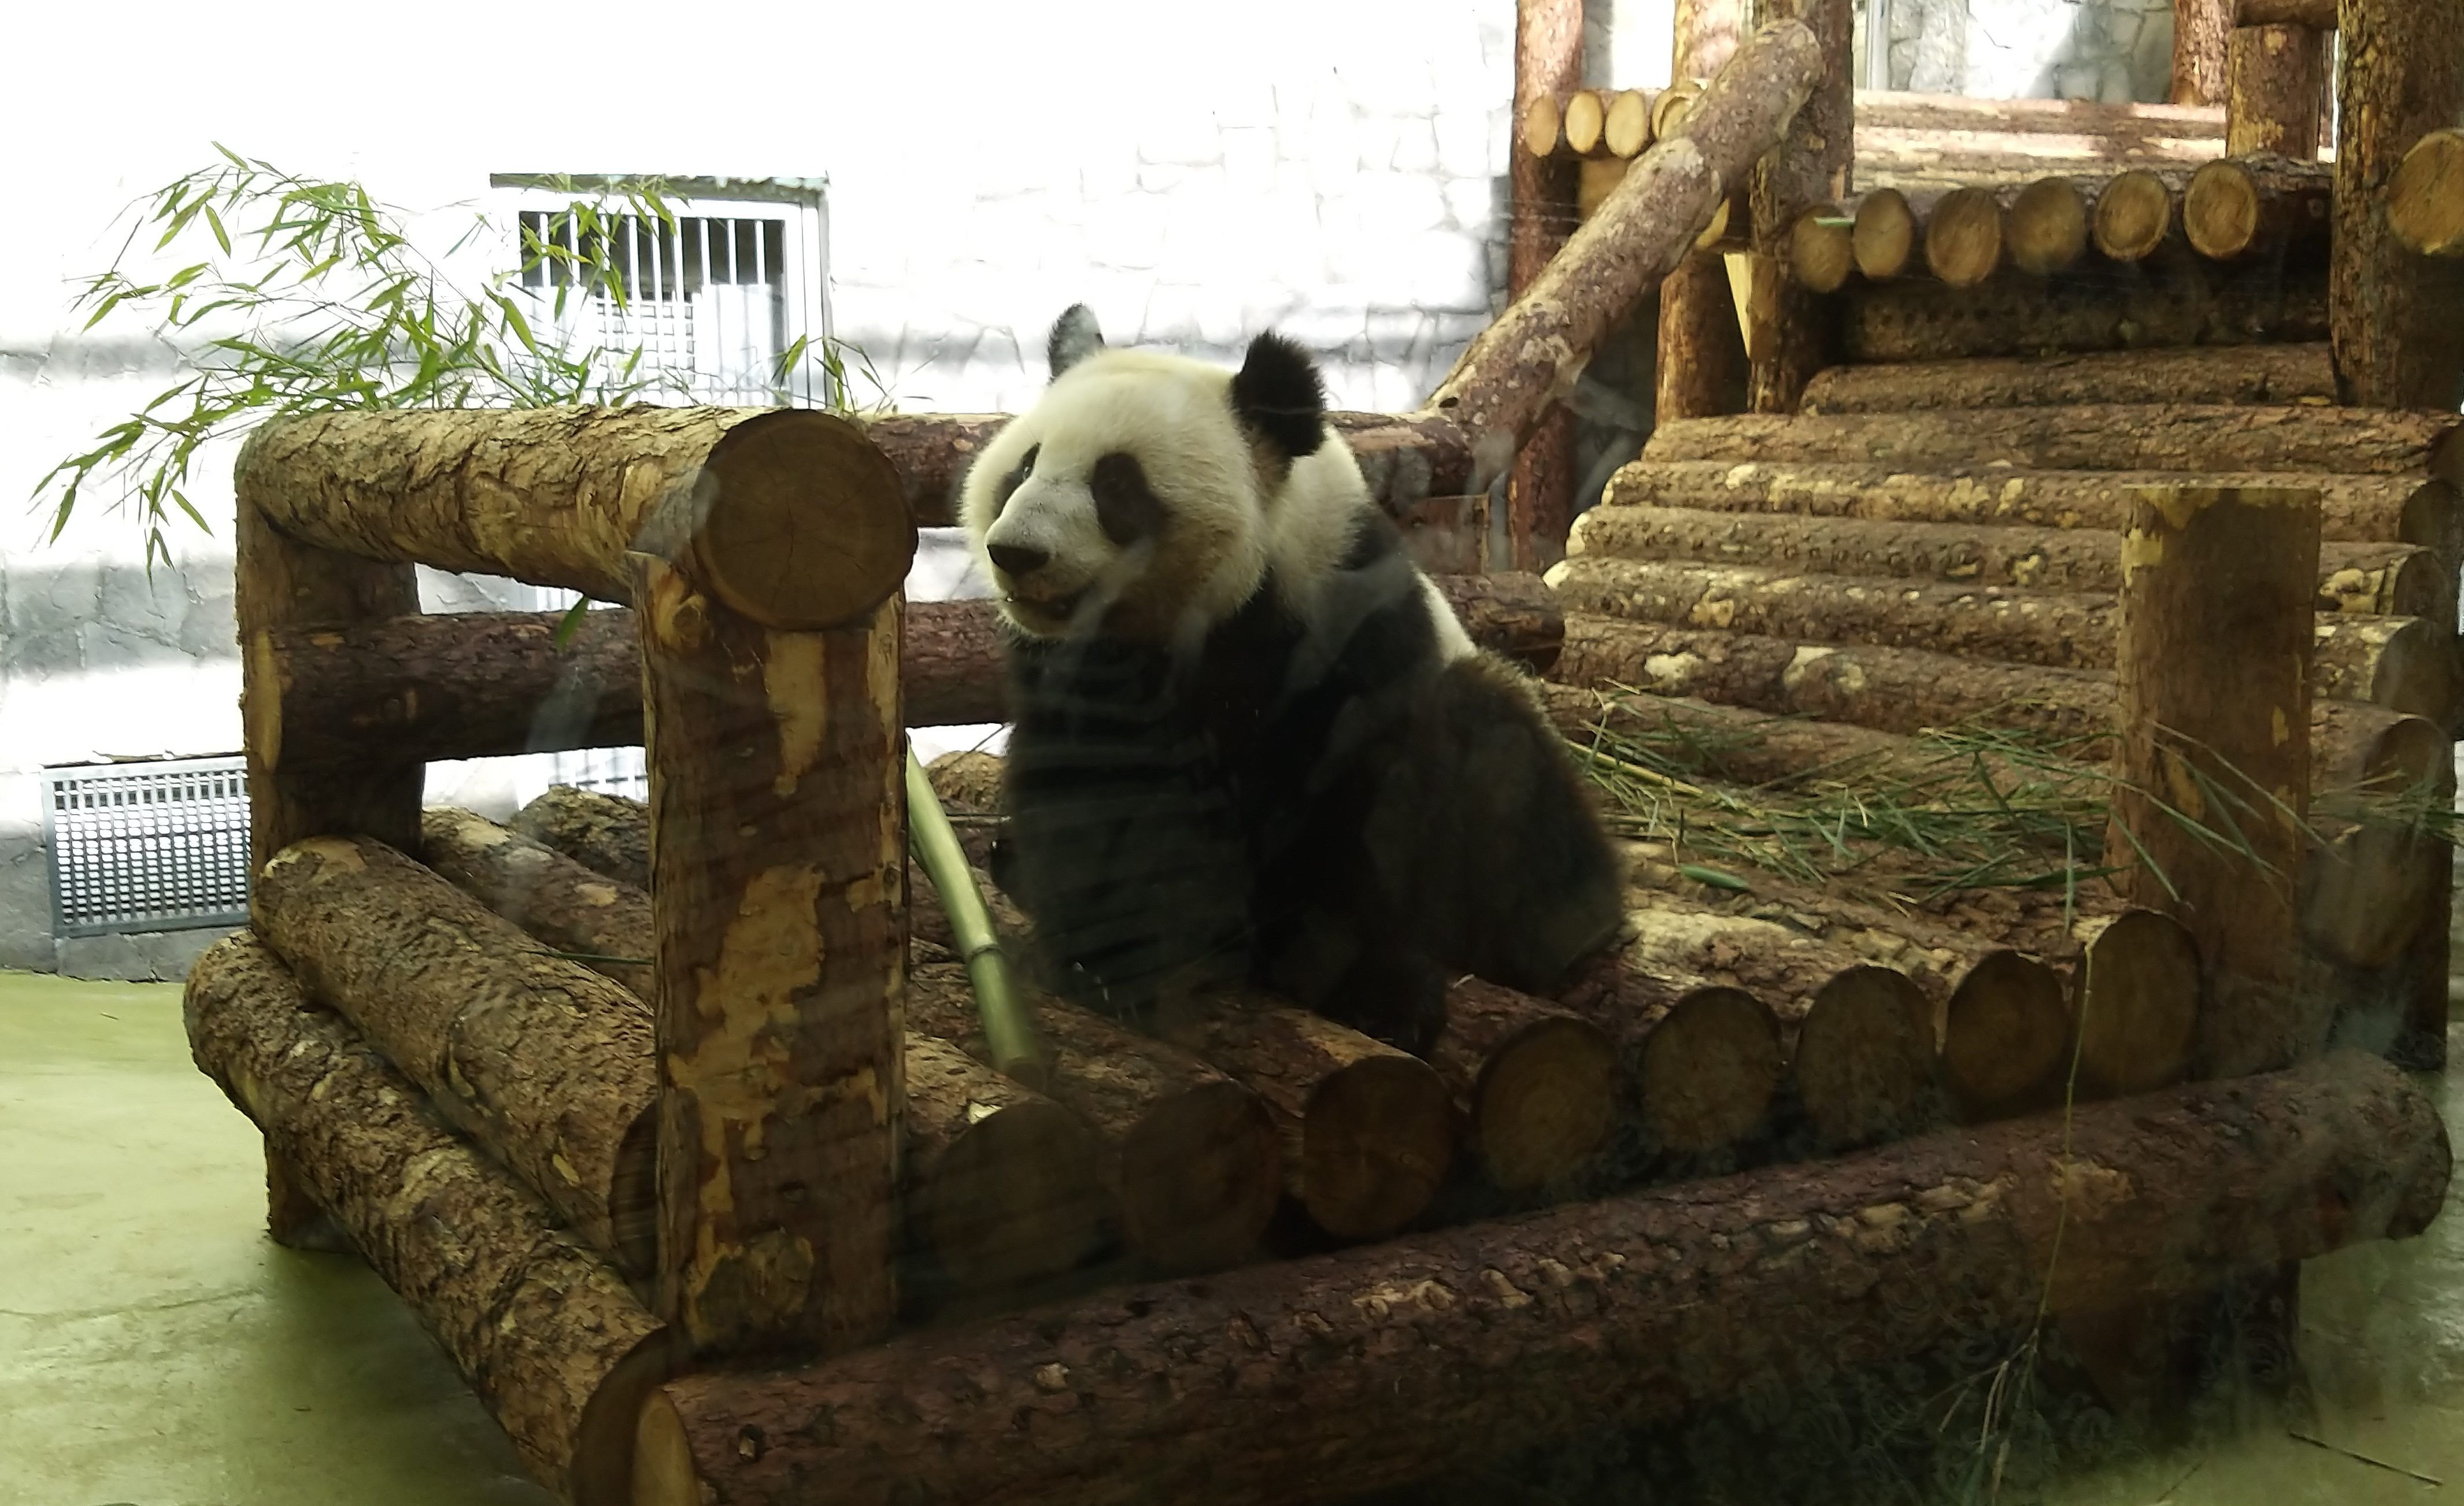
2115	51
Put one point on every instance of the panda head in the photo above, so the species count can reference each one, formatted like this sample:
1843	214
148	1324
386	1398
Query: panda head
1135	497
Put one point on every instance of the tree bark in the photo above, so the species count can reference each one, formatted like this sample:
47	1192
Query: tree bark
605	833
2276	79
2172	300
557	495
1790	332
2215	595
2426	200
1510	613
2134	215
1533	353
1701	365
558	1348
2044	229
1461	1343
2200	29
2399	77
1536	1084
2254	374
2353	509
2240	206
2319	16
538	1059
1193	1158
2399	580
1547	62
942	662
563	903
778	847
2090	438
1367	1130
932	453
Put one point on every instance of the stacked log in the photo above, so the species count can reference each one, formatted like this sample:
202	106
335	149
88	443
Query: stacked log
2257	374
2399	77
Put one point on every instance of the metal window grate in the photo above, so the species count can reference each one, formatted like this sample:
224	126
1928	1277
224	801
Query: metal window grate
606	771
160	846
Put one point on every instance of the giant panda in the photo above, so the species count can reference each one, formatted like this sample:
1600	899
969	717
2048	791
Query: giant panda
1251	742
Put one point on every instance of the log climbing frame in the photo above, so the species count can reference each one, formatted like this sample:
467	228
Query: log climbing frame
650	1118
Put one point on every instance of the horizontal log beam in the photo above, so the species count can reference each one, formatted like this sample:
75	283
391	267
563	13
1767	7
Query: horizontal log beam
2264	374
558	1348
1322	1379
556	496
480	684
2170	299
2319	16
1964	114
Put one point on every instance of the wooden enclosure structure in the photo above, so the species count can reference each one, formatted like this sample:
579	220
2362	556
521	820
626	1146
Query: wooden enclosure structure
674	1126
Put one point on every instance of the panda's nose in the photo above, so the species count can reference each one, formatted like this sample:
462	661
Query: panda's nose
1016	560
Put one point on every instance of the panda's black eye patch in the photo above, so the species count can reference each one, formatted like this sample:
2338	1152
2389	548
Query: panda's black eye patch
1015	479
1126	506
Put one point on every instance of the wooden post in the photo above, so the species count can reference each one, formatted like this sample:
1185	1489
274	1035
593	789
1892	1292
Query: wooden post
2201	29
2215	711
2392	313
1701	368
1547	62
1787	339
281	584
2276	78
778	853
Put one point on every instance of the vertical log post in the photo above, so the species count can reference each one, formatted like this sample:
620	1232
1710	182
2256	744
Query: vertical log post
2202	32
2276	85
2392	315
1700	370
282	584
776	849
2214	670
1787	339
1547	62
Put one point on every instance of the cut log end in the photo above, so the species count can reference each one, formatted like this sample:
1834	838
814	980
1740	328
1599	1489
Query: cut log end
1884	236
1539	129
2133	216
1545	1100
1377	1138
1708	1070
1963	240
1627	130
2046	227
1865	1056
1005	1185
762	550
2138	1004
2425	201
1586	118
2220	210
2005	1036
1820	247
1200	1177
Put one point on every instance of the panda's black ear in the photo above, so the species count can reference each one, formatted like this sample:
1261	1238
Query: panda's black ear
1074	337
1279	396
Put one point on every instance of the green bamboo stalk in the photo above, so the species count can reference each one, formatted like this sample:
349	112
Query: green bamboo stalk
1010	1034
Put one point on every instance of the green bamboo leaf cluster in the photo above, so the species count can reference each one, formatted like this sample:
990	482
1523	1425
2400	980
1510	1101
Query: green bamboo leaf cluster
312	298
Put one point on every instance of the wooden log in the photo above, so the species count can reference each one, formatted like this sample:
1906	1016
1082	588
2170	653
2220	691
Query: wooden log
2399	76
1540	125
2135	1001
2044	229
534	1057
558	1350
1700	365
2238	206
2006	1039
2402	663
2090	438
930	452
2353	509
2125	125
2264	374
2134	215
2217	593
600	923
1586	121
1548	63
1510	613
1627	128
1788	333
1883	238
2425	199
2276	81
1167	1392
556	496
2200	29
1706	31
1533	353
1963	238
1863	1062
1702	1061
1192	1158
2183	299
2319	16
1446	535
1821	249
605	833
1535	1083
1367	1130
777	845
941	664
2384	579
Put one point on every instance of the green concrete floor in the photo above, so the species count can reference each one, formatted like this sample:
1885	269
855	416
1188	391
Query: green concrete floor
156	1349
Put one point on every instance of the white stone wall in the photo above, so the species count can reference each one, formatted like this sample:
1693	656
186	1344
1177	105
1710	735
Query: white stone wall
1196	174
2115	51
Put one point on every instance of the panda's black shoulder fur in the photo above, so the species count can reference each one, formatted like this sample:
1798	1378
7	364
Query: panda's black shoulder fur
1318	801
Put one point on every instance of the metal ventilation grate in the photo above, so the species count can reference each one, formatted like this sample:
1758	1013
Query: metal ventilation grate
157	846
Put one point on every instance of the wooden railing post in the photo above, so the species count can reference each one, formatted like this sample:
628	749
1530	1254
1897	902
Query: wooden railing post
1547	61
1700	370
778	855
2391	313
1787	338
